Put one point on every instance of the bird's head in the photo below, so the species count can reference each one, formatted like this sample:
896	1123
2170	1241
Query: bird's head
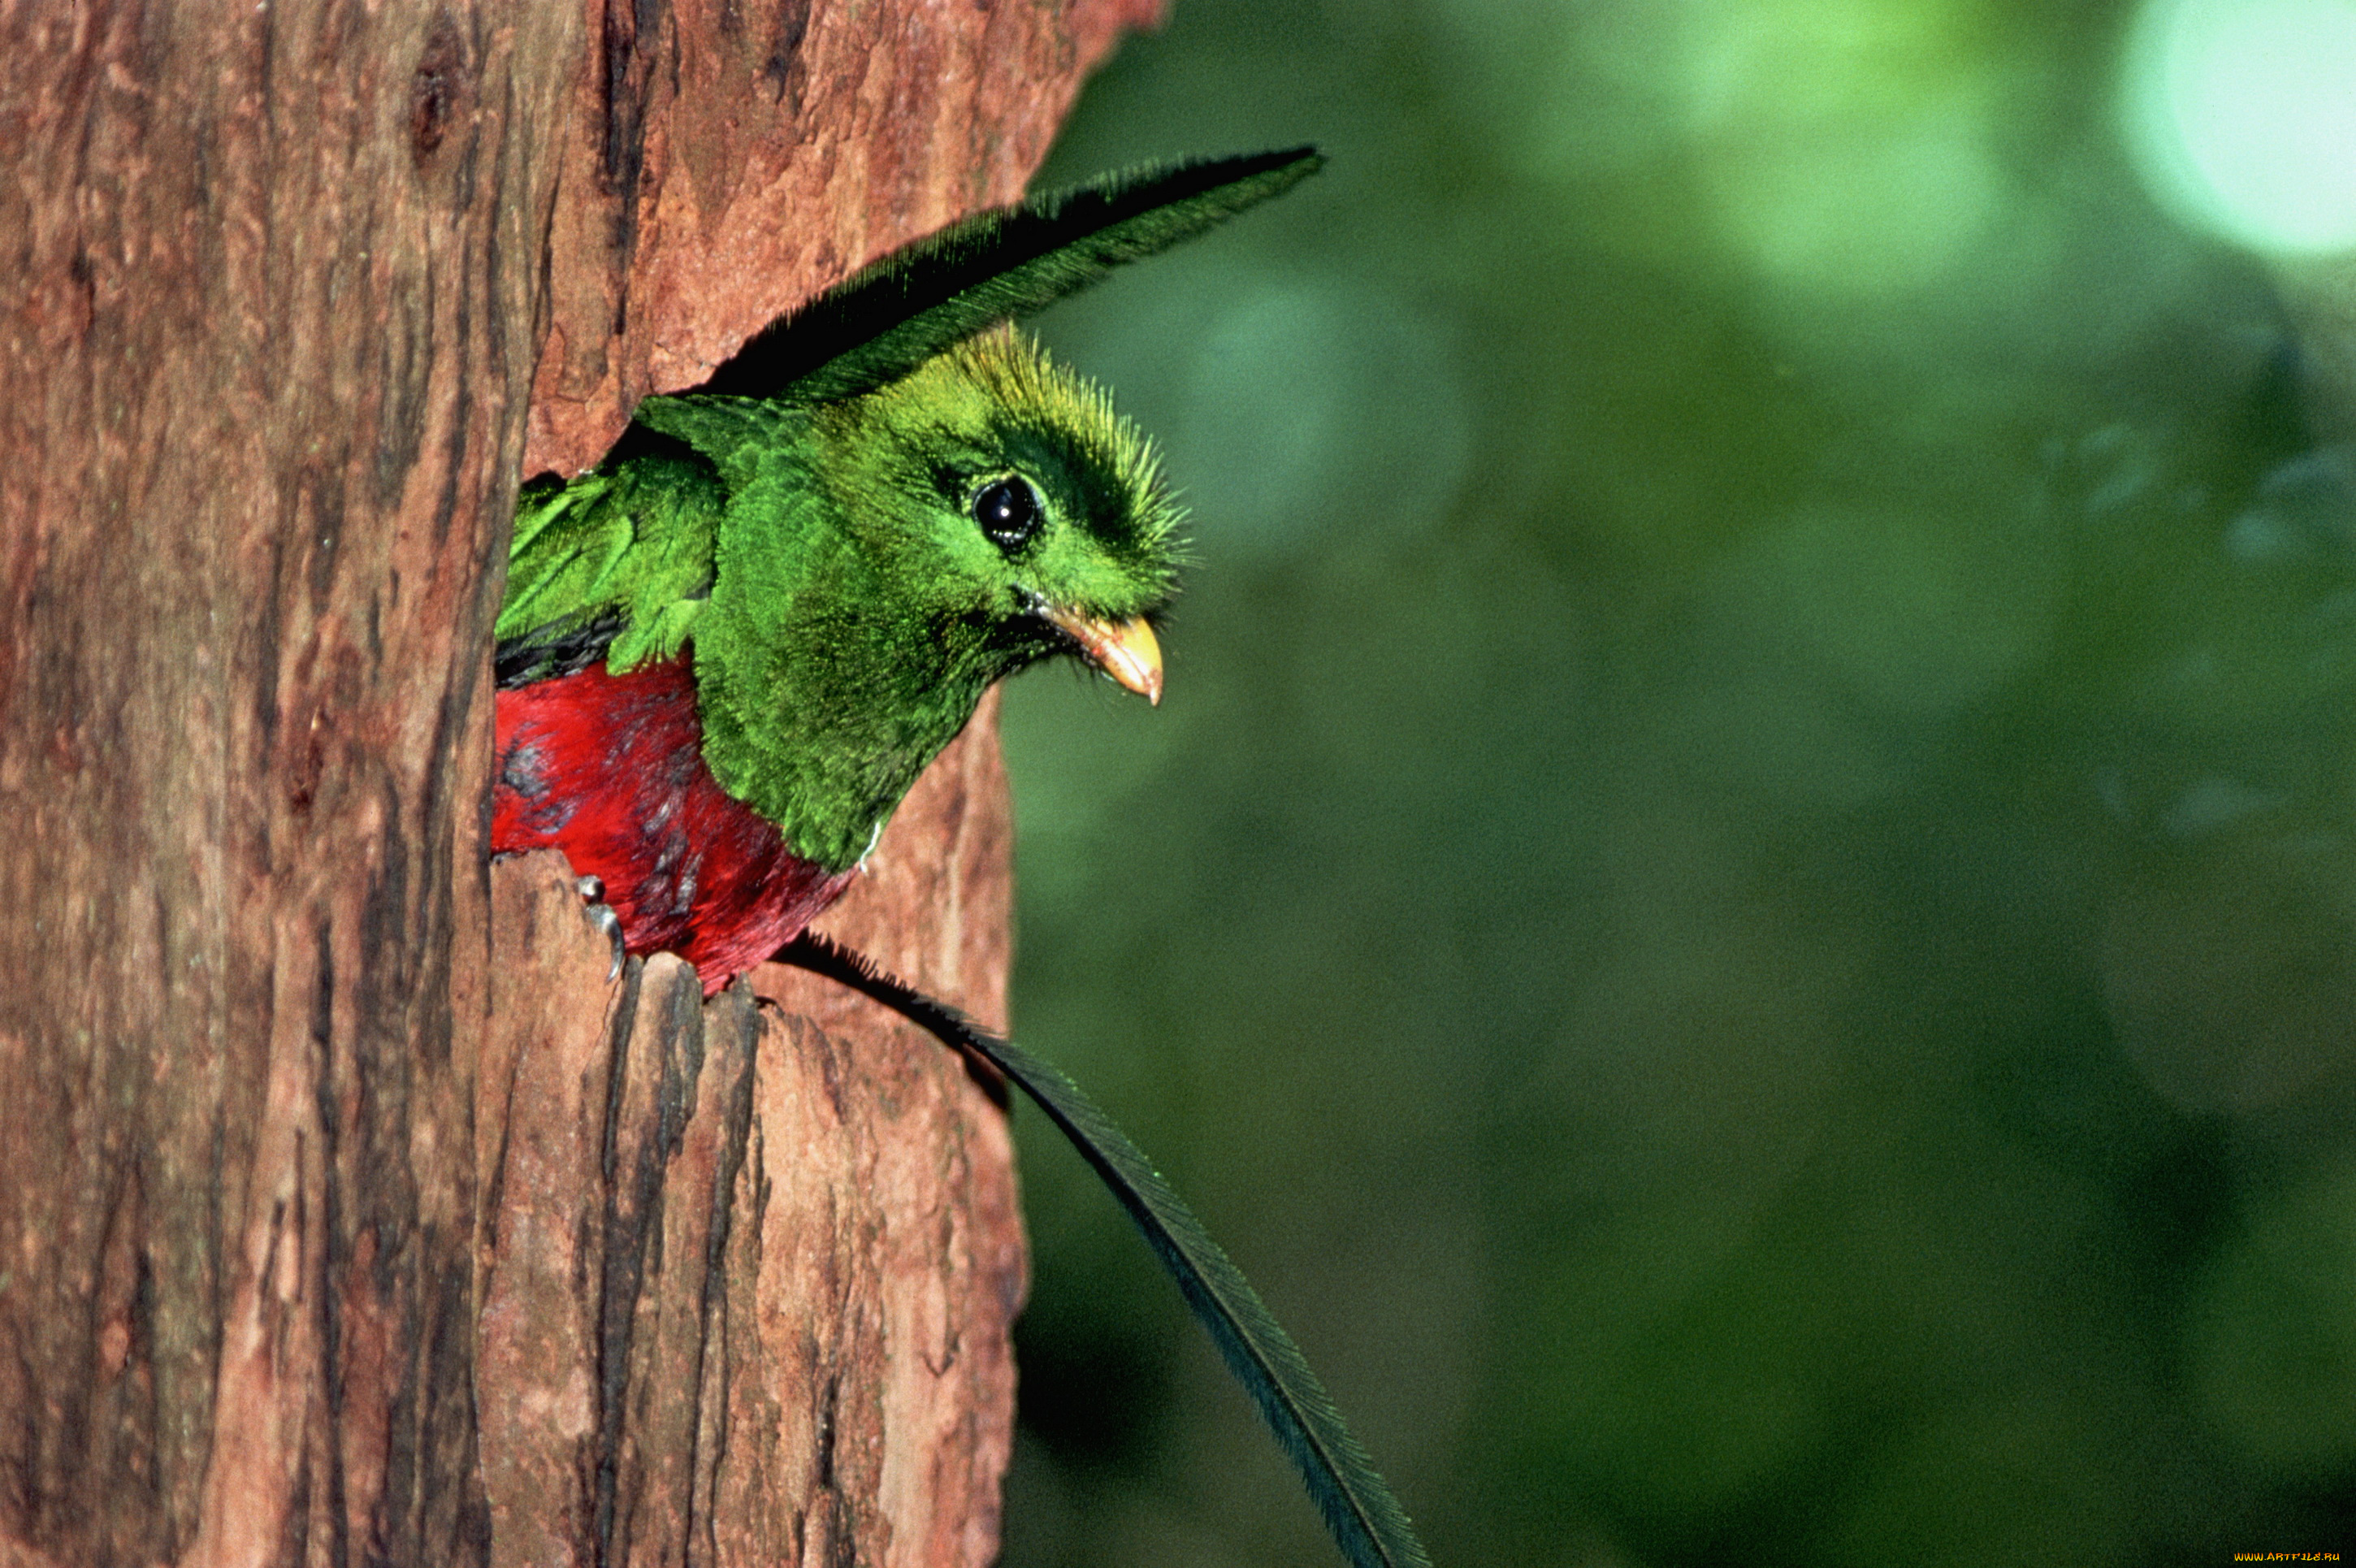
1017	516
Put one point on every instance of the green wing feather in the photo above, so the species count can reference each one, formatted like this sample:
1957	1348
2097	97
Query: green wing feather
612	566
617	564
887	319
1367	1521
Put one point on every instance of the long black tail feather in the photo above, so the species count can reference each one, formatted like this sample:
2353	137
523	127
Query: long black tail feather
1367	1521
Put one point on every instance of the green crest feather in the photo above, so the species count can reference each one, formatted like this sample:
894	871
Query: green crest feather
887	319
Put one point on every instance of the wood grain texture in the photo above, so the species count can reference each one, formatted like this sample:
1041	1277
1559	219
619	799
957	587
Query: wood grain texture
292	295
267	334
727	160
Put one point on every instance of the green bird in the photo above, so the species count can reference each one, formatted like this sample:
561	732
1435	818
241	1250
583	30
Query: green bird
725	653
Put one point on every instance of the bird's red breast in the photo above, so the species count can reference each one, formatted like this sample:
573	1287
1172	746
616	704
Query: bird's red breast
609	769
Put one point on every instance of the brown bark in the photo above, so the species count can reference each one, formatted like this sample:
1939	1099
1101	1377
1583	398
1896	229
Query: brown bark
720	166
287	1089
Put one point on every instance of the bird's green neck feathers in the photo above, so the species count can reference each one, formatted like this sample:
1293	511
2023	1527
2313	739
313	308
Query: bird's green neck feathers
821	720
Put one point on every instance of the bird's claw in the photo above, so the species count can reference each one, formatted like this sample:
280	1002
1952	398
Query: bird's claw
601	915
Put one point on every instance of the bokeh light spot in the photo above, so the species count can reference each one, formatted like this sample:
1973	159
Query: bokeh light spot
1917	618
2228	980
2242	119
1319	408
1843	146
2273	1332
1869	211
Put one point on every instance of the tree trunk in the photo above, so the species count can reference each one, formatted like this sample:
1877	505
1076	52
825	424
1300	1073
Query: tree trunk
346	1210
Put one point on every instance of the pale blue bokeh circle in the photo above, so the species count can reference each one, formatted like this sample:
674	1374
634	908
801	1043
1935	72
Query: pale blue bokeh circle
2241	118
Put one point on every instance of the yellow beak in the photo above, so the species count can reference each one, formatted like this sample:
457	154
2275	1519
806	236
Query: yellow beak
1124	649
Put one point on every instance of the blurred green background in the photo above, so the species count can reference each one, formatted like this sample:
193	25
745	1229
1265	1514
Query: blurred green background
1741	907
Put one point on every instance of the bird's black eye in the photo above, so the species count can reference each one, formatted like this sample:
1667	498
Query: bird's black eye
1008	511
